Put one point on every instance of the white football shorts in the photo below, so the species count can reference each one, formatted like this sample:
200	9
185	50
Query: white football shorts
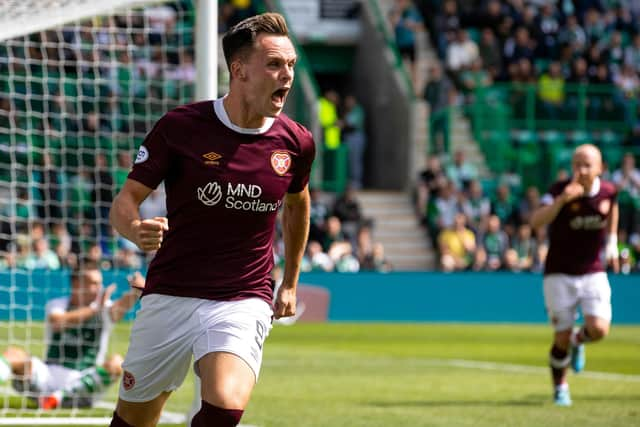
169	330
49	378
563	294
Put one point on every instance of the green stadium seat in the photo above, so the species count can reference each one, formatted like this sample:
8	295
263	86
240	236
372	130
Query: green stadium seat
579	137
528	156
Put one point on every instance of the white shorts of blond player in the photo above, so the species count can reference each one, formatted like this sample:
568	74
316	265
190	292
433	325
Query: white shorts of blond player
170	332
563	294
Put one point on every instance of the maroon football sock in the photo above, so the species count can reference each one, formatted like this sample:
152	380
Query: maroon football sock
118	422
558	360
213	416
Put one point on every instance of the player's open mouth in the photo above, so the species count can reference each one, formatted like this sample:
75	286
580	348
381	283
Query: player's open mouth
279	95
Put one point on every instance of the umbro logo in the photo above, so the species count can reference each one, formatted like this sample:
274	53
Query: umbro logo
211	158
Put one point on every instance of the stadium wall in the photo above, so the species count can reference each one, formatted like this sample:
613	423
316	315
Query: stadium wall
364	297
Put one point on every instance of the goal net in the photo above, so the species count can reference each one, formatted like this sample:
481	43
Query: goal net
81	83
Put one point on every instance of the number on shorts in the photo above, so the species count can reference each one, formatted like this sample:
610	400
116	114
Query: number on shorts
260	333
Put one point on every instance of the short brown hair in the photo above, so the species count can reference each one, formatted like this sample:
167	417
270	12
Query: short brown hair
84	265
242	36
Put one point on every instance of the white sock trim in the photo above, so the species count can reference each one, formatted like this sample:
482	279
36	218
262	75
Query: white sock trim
559	363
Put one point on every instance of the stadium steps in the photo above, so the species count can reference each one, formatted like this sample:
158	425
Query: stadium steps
406	244
461	136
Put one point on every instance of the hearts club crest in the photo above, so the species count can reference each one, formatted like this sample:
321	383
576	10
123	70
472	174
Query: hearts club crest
280	162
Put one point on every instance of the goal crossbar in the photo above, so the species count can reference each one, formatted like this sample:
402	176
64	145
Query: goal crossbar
22	17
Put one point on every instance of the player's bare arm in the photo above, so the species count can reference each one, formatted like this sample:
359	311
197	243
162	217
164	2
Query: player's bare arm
295	223
544	215
611	249
126	301
147	234
64	319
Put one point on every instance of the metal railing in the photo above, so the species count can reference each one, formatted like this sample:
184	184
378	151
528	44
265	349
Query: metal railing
518	132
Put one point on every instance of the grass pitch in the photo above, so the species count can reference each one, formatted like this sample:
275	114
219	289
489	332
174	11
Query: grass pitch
409	375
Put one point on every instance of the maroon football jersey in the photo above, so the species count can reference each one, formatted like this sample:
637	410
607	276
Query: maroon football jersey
577	236
224	186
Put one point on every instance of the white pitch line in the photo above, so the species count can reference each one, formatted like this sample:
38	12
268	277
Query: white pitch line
477	364
526	369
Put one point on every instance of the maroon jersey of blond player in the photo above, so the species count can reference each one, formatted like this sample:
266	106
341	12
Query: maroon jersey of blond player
577	235
224	186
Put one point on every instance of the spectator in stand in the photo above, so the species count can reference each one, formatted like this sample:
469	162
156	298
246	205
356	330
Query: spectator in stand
528	204
573	35
627	255
20	210
473	79
447	24
551	91
8	261
541	250
317	258
627	181
443	208
460	171
430	179
406	22
102	193
60	241
623	18
578	77
457	245
547	24
504	207
518	46
41	256
460	55
594	26
628	82
319	214
632	53
521	254
127	257
333	234
601	103
347	209
122	169
594	59
489	16
341	253
79	191
523	81
494	244
440	94
490	53
50	190
615	51
477	208
353	134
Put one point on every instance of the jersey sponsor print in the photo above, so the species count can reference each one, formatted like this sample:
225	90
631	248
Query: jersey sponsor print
224	187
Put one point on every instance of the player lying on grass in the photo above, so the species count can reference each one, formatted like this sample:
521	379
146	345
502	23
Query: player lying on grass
76	368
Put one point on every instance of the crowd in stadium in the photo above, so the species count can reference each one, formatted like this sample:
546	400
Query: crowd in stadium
340	237
61	210
479	230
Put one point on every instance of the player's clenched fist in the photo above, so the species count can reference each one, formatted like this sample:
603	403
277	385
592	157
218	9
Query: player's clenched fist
149	233
572	191
285	303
